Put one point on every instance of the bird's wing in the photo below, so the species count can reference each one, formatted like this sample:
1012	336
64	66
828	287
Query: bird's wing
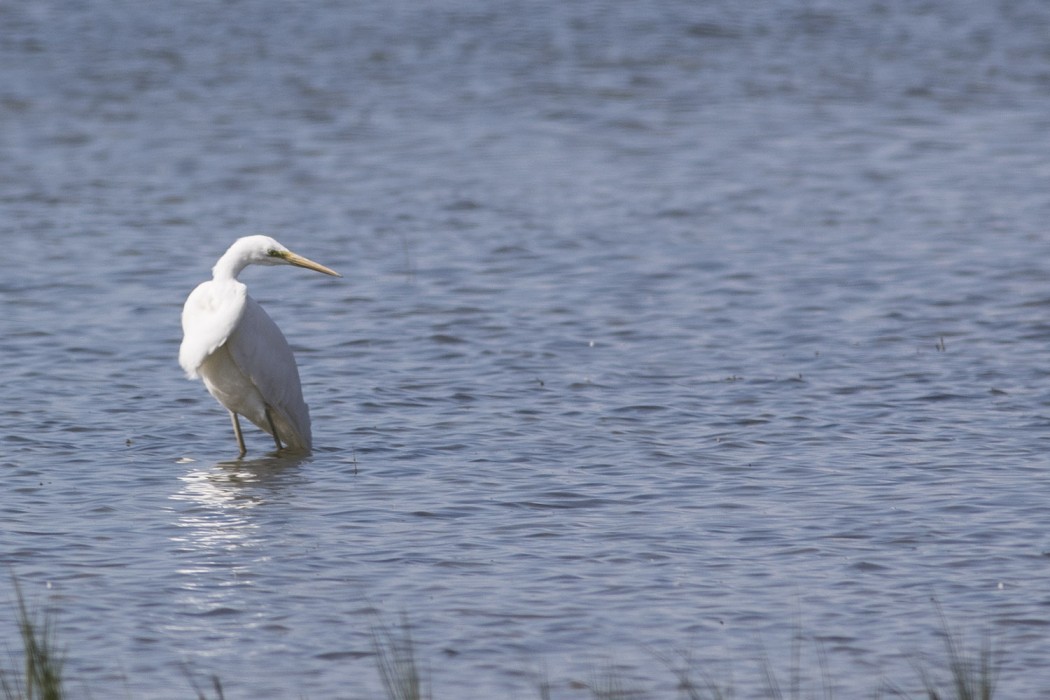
211	313
263	355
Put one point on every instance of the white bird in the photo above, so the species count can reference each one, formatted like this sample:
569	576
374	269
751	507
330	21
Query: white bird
240	353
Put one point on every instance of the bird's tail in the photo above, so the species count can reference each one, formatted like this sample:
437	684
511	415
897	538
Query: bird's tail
293	435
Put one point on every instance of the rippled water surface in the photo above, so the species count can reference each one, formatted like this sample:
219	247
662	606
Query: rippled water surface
665	329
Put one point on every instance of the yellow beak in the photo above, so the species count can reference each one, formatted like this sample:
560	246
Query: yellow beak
300	261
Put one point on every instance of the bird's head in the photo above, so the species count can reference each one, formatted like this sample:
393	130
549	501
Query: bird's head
263	250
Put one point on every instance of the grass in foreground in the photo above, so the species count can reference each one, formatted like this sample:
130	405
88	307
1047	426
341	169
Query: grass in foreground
41	677
971	675
396	662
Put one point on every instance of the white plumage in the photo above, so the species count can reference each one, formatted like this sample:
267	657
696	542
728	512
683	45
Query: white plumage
240	353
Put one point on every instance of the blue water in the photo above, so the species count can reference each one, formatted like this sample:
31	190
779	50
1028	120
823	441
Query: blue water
666	330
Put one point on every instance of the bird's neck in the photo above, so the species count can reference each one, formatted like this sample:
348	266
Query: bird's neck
229	266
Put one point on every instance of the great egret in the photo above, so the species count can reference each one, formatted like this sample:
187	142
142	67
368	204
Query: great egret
240	353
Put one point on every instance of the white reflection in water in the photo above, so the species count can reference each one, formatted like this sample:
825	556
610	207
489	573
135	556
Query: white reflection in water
218	525
222	497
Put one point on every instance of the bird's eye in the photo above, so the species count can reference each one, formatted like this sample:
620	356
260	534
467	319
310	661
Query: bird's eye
273	253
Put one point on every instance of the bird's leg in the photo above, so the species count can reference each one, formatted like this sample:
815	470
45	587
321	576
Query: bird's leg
273	428
237	433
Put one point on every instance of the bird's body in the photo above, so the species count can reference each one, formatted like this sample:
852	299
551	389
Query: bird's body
240	353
